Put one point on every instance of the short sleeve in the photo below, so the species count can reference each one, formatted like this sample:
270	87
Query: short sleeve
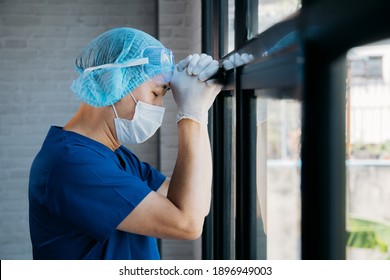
153	177
144	170
92	193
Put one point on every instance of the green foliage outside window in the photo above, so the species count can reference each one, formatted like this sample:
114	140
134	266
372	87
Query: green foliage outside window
368	234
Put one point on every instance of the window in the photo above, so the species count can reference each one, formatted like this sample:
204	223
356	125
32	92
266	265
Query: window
286	152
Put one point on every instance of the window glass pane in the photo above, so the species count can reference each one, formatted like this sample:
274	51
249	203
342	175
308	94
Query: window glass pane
261	177
273	11
231	26
278	176
368	151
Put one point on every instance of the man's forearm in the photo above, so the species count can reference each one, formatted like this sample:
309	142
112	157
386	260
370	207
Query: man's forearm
190	186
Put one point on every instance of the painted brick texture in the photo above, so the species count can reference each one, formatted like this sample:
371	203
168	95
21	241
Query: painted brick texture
39	41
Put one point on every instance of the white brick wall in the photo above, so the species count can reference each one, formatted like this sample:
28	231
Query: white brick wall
39	40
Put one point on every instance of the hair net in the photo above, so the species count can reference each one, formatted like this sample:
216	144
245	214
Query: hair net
105	86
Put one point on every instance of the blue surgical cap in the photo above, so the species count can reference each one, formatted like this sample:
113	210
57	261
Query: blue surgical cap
106	86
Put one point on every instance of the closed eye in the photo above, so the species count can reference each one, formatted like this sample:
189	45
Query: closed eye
165	89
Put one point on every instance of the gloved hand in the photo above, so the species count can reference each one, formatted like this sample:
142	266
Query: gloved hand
237	60
199	65
191	93
195	65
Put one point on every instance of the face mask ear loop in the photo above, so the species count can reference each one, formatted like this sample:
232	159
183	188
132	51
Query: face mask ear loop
133	98
116	115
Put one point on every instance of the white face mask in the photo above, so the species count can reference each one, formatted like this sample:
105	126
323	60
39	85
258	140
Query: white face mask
146	120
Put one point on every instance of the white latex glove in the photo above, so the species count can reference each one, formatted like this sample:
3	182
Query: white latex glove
196	65
199	65
193	97
237	60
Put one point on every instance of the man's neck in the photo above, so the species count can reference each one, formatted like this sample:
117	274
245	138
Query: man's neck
95	123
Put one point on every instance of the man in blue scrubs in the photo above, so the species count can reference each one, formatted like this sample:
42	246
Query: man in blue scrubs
92	198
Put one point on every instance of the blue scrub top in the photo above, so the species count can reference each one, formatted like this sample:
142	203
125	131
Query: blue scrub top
79	192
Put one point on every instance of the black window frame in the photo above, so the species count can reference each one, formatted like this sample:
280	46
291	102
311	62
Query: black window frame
310	68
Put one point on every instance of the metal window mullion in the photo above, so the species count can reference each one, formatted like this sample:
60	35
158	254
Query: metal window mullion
223	188
240	23
246	215
207	47
323	179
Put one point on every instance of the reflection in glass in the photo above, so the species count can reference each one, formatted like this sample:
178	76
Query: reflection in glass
278	175
368	151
